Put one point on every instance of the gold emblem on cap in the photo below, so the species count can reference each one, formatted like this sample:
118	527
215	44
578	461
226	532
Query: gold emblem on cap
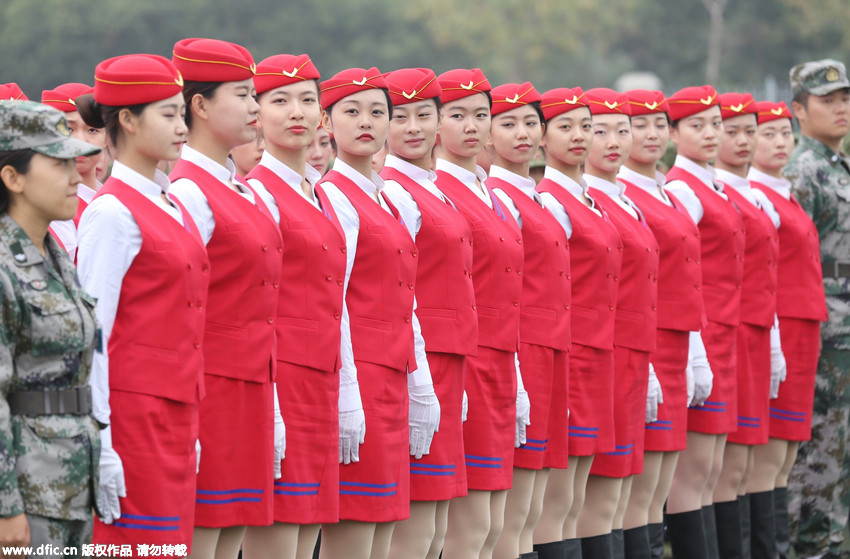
651	106
253	68
72	101
289	74
407	95
470	85
62	127
514	99
612	106
777	111
361	81
572	101
706	101
179	79
832	75
737	108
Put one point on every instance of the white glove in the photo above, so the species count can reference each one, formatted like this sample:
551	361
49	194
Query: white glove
424	418
653	396
703	381
523	416
465	407
352	423
279	436
689	381
111	479
778	371
197	455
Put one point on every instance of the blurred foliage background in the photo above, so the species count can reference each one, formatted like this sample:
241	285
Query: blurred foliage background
549	42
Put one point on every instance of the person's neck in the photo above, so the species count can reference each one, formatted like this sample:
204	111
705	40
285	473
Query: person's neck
33	225
208	145
571	171
468	163
597	172
775	173
360	163
294	159
645	168
521	169
425	162
832	143
703	164
738	170
139	163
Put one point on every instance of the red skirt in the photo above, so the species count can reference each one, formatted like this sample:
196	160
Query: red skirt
669	432
490	430
308	490
631	380
557	453
441	474
155	439
753	385
377	488
537	365
791	412
719	414
591	424
237	454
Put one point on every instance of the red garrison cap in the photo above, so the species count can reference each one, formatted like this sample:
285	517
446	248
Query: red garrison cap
604	101
134	79
561	100
512	95
284	69
349	82
12	92
768	110
62	96
691	100
736	104
461	83
409	85
647	102
212	60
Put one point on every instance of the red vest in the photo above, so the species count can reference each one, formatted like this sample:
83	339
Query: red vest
761	257
722	245
445	295
497	262
311	276
545	305
637	295
381	284
156	340
680	304
596	255
81	207
245	257
799	291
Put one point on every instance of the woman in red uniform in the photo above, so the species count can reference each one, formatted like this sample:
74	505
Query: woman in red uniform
384	388
801	308
757	360
240	450
319	151
141	255
492	428
696	130
680	311
544	331
63	98
445	300
311	295
596	257
609	485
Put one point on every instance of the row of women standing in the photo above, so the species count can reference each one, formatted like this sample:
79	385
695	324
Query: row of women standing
435	360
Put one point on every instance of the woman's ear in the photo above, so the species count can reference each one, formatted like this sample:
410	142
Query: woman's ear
128	121
327	123
12	179
198	106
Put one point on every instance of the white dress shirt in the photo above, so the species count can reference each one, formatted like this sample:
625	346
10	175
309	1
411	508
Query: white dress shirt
616	192
524	184
779	184
290	177
66	229
401	198
753	195
683	192
572	187
654	186
109	240
468	179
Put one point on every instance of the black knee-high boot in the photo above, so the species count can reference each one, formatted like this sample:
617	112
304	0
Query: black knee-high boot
572	547
551	550
746	526
529	555
636	543
597	547
687	535
617	544
727	517
783	529
763	528
656	540
710	524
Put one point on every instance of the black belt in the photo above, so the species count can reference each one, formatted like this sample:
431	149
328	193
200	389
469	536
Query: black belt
835	269
74	401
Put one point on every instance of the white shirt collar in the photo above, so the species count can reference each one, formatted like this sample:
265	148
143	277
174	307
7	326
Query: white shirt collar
741	184
289	176
646	183
141	183
462	174
574	188
780	184
525	184
409	169
226	174
613	190
86	193
370	187
706	176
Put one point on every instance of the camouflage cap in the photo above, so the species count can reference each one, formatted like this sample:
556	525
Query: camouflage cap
43	129
818	77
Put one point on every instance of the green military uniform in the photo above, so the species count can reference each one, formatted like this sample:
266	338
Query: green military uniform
48	463
819	486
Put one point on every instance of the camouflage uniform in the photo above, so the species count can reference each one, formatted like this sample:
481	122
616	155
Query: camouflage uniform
819	486
48	463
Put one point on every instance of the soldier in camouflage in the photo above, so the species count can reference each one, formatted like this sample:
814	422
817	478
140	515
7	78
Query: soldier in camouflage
819	171
49	443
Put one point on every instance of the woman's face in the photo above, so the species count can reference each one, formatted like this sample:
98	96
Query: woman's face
697	137
246	156
359	123
740	135
290	114
232	113
775	144
82	131
160	131
612	141
47	191
515	134
413	131
650	134
568	137
464	125
319	151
